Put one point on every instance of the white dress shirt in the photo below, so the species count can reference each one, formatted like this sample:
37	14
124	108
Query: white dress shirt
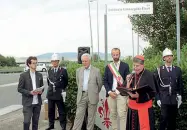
86	77
115	83
55	69
170	68
33	78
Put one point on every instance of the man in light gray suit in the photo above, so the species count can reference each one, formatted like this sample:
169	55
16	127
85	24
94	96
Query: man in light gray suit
89	82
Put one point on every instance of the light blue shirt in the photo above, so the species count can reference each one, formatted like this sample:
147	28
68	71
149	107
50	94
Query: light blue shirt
86	77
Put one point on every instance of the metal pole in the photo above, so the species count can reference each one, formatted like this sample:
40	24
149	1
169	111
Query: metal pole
138	42
106	36
98	27
132	43
178	31
90	29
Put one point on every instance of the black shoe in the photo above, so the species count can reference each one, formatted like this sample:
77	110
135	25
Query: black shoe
63	126
50	128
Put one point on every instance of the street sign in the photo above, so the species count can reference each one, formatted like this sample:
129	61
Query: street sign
131	8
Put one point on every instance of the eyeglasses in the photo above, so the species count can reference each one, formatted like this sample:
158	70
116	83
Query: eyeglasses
34	63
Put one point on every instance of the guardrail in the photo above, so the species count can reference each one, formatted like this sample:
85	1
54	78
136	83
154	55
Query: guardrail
6	72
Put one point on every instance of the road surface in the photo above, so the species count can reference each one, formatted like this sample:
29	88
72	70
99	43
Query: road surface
8	90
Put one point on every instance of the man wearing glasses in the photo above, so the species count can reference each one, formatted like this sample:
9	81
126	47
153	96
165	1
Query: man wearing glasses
115	75
29	81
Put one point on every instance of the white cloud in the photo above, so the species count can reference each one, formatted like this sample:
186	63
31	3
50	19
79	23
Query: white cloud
32	28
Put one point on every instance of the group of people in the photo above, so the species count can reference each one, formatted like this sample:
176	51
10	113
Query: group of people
133	109
30	81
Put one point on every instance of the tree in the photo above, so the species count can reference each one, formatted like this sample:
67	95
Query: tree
7	61
10	61
2	60
159	28
95	57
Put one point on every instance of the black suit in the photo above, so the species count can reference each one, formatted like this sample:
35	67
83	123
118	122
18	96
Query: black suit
168	98
30	110
108	76
60	79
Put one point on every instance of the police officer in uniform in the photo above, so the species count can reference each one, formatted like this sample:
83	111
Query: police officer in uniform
57	81
169	90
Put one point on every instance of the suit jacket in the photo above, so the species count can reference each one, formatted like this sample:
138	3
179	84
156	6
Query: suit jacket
174	78
25	87
94	84
108	76
60	79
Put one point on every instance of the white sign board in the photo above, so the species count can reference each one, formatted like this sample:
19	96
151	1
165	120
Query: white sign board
102	119
131	8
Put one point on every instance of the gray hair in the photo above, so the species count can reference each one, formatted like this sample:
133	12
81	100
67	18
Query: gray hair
86	54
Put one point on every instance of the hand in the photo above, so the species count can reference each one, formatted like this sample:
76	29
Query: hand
40	92
64	96
136	95
158	103
179	100
113	95
34	93
117	92
129	80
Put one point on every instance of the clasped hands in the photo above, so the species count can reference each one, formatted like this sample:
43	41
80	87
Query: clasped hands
35	92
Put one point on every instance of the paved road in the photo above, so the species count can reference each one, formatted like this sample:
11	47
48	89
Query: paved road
9	78
8	90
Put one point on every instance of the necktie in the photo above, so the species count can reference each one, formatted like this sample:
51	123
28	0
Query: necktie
55	70
169	69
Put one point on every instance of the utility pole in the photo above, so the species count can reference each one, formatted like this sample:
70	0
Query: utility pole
178	30
106	36
98	27
132	43
91	37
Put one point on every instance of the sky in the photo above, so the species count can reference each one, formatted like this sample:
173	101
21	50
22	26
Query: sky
34	27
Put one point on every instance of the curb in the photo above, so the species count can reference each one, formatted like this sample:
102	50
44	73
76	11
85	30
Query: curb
10	109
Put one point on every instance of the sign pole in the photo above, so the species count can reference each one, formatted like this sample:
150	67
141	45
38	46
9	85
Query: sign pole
106	36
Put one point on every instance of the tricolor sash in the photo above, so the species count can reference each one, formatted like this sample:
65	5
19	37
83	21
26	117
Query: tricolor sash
116	73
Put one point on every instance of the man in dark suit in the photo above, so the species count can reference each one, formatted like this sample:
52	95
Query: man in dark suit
169	91
31	99
57	81
115	75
